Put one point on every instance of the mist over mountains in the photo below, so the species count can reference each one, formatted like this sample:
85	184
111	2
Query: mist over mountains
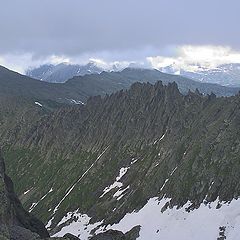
78	89
62	72
119	120
225	75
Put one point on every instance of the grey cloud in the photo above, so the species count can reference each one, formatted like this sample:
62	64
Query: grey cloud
78	27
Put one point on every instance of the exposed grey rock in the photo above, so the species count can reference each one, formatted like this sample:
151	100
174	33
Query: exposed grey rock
17	222
70	237
20	233
192	140
110	235
133	234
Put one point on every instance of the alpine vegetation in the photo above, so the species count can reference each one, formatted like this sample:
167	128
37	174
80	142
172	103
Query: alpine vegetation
119	120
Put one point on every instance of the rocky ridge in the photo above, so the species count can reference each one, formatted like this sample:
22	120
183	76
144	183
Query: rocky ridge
117	152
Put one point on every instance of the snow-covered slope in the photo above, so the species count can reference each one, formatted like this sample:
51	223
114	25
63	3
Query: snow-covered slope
226	75
62	72
209	221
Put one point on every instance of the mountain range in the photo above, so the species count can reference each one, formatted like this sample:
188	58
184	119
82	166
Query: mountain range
225	74
78	89
62	72
111	165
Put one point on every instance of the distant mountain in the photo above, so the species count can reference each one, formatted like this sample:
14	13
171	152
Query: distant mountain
184	84
80	88
148	162
226	75
62	72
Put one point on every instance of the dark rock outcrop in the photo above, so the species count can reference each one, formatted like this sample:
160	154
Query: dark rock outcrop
109	235
14	219
15	222
133	234
69	236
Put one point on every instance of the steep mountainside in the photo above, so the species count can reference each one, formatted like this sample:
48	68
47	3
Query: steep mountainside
14	220
131	157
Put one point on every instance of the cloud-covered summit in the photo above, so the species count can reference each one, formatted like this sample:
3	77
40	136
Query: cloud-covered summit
34	32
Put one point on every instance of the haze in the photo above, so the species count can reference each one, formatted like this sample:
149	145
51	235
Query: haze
34	32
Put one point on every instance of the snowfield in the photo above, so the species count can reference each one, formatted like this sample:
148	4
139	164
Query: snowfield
199	224
80	227
207	222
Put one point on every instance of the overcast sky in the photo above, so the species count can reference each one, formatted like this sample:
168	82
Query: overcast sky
34	31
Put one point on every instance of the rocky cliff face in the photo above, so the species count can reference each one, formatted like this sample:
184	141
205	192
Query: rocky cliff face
14	220
125	152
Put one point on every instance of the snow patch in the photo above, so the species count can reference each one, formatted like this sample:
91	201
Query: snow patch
117	183
173	171
134	160
38	103
160	139
79	227
120	193
27	191
122	172
164	184
76	101
35	204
